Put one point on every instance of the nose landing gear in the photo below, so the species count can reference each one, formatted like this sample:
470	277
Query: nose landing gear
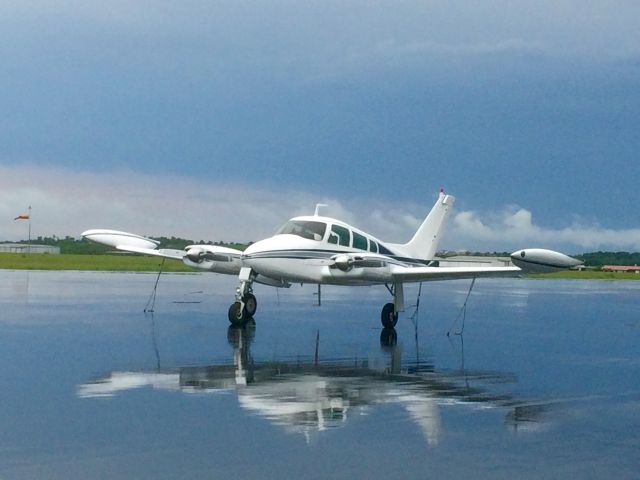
241	311
245	306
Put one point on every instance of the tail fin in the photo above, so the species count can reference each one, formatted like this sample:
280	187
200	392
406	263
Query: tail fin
425	241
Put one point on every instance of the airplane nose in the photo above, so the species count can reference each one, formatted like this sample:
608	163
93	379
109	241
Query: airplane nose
518	254
253	248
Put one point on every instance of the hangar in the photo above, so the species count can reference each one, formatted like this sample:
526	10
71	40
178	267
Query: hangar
26	248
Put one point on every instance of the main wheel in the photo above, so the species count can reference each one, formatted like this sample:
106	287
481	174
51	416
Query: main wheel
389	316
250	305
237	315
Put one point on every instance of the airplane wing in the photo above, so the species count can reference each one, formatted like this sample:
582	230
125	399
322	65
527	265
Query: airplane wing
207	257
530	260
130	242
161	252
425	274
381	268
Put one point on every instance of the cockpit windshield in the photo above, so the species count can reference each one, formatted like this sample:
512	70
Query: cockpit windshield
304	229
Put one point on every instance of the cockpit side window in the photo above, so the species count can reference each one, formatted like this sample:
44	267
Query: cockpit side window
309	230
339	235
359	241
373	246
385	251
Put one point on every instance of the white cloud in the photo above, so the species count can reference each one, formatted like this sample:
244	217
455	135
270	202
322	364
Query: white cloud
67	203
515	228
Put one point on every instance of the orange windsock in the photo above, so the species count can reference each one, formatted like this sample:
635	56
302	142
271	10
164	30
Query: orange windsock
23	216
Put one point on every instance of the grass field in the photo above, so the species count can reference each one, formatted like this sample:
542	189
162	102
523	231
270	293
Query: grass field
588	274
140	263
114	262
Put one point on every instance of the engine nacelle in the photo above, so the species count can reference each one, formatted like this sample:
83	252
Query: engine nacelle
196	254
343	262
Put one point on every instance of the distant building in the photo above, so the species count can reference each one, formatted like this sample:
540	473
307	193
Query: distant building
621	268
25	248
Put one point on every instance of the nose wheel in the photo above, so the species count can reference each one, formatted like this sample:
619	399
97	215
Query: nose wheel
250	304
240	312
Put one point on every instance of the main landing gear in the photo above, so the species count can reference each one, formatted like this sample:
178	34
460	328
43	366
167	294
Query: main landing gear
244	308
389	314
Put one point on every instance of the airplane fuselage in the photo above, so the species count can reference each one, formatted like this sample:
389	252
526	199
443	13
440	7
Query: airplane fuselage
305	256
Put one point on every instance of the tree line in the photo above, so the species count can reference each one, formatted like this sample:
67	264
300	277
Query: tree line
82	246
598	259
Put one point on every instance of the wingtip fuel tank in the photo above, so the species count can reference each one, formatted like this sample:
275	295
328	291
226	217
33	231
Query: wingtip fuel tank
115	238
540	260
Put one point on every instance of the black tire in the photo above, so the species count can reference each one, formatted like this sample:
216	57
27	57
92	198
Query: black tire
388	337
250	305
389	317
237	316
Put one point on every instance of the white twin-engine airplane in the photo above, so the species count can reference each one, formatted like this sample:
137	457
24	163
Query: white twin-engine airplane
321	250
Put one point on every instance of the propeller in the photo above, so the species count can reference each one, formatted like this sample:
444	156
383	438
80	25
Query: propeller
343	262
196	254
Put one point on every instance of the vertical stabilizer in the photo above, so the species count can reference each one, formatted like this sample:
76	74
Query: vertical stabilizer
425	241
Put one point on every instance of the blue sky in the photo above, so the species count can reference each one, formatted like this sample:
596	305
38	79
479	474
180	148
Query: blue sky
372	106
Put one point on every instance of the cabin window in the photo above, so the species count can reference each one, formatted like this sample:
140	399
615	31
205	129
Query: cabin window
373	246
339	235
309	230
359	241
385	251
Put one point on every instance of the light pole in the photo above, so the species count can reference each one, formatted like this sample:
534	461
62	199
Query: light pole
29	237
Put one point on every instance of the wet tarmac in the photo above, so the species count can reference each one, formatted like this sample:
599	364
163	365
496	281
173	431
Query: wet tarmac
543	382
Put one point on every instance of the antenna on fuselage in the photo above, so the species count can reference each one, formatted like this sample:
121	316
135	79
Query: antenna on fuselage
318	206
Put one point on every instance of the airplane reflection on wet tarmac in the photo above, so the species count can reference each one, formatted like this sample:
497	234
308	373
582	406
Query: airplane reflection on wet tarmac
312	395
